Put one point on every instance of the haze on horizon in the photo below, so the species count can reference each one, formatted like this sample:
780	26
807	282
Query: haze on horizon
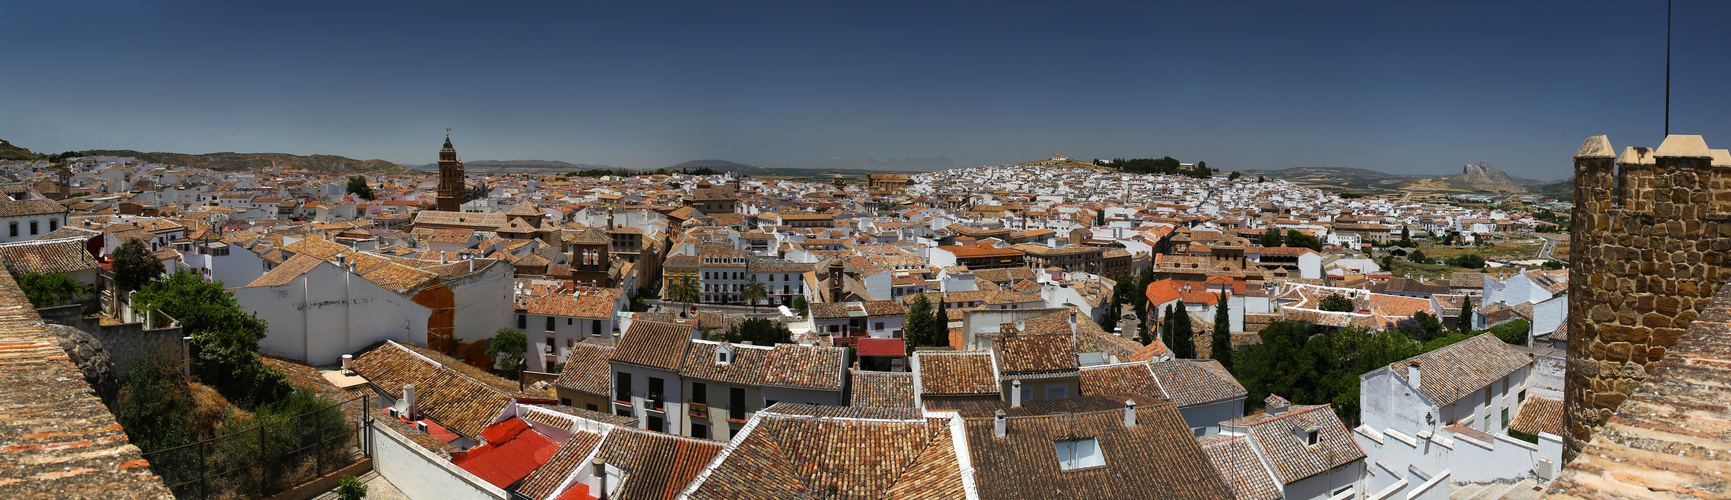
1394	86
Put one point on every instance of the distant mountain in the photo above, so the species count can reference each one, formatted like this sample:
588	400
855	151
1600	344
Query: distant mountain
1482	176
1335	177
236	162
517	166
721	165
1562	190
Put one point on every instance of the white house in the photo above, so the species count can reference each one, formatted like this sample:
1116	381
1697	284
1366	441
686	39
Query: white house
317	311
1448	410
556	322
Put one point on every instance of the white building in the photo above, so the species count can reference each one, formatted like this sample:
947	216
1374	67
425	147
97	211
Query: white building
317	311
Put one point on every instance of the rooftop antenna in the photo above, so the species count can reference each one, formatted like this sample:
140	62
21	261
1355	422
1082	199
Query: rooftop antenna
1667	68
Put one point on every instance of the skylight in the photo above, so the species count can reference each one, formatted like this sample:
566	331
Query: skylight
1079	454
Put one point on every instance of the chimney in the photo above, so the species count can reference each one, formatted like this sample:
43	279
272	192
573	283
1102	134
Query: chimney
600	478
1129	413
1016	394
408	402
1072	322
998	425
1412	374
348	364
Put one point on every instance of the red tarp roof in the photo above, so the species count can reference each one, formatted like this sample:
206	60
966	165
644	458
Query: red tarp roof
513	450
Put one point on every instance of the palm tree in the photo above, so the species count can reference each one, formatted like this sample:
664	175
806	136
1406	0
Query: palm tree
754	292
685	290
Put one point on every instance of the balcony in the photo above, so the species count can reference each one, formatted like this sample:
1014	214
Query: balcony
697	410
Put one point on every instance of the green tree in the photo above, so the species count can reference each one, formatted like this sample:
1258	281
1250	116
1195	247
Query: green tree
941	322
507	348
1233	176
1169	326
1422	326
156	409
800	305
51	289
134	266
1261	179
1221	346
224	337
1513	333
1464	321
1418	257
754	292
684	290
1297	238
1270	238
1469	261
1388	263
1183	333
1139	293
918	330
358	186
759	331
1336	303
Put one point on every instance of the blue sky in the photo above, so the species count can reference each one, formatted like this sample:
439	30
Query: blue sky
1402	87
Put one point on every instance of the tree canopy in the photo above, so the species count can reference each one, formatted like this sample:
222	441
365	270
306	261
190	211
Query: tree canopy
1469	261
224	337
1336	303
134	266
1317	369
358	186
1220	345
1298	238
507	348
51	289
758	331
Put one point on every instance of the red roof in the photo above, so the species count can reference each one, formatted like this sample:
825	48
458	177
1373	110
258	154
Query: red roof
578	491
881	347
513	450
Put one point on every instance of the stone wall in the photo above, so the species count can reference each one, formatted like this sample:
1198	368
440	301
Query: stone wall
1650	228
125	343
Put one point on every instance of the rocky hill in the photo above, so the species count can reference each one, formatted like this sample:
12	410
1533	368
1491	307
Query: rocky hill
11	152
235	162
1482	176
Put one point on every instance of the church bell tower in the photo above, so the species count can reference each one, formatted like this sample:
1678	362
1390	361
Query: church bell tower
452	193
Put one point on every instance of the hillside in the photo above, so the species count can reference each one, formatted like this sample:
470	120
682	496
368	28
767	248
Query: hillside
11	152
1482	176
234	162
721	165
1335	177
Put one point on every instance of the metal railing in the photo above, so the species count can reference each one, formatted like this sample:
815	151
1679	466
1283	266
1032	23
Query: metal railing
269	458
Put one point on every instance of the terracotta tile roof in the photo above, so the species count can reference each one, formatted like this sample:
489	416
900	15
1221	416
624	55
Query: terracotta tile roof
1190	382
806	367
1240	466
1121	378
884	308
1031	354
546	478
829	456
1157	458
484	222
10	208
452	399
1539	415
1292	459
586	368
59	439
881	389
286	272
652	344
944	373
746	365
398	278
47	256
658	465
596	305
1453	372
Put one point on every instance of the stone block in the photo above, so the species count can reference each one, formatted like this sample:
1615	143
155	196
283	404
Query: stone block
1656	320
1618	351
1663	337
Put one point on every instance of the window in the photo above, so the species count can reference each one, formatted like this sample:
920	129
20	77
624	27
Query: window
622	387
14	229
569	343
53	224
699	431
549	323
1311	438
1058	391
623	412
1027	393
736	403
1487	397
33	228
657	424
1522	396
567	321
1505	418
522	322
699	393
1505	386
1079	454
769	402
565	401
550	345
591	407
878	325
595	327
655	394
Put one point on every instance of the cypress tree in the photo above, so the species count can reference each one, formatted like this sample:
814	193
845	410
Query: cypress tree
1221	347
1183	333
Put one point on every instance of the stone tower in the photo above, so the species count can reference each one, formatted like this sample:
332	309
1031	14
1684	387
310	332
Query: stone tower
452	193
1650	233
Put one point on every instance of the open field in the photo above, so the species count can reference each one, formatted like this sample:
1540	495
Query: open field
1501	250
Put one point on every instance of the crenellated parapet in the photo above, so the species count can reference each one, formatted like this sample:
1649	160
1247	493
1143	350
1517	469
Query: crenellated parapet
1649	233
